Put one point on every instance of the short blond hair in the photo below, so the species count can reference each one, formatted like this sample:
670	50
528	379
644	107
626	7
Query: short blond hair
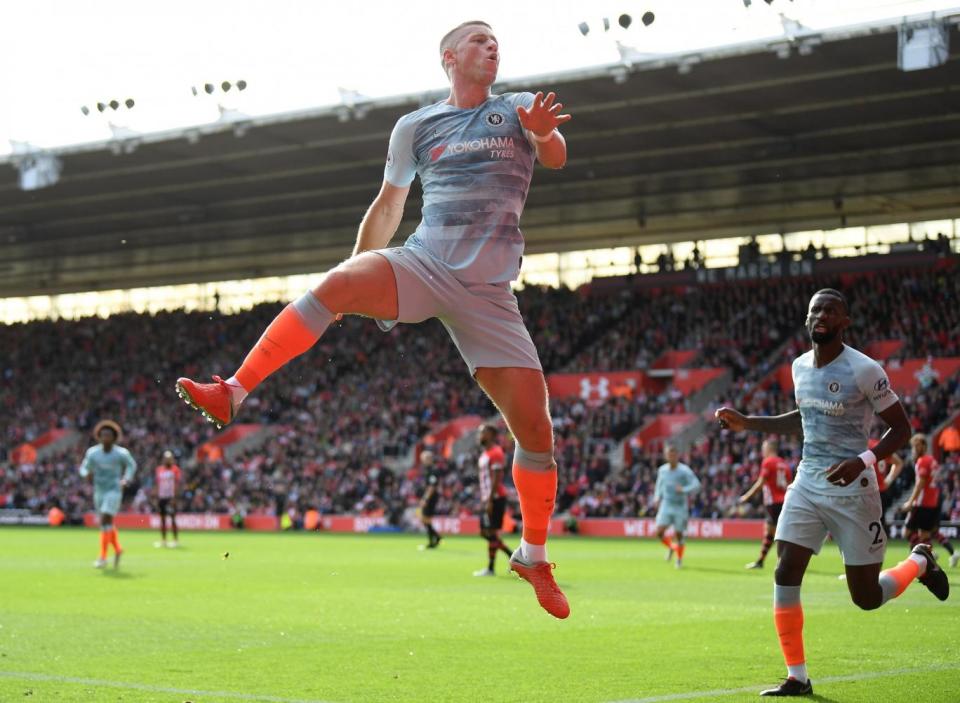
919	437
449	40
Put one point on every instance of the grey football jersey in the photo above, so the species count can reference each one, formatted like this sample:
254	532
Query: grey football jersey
475	167
837	403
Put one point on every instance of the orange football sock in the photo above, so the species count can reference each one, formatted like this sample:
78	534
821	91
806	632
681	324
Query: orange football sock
679	549
114	542
788	617
104	541
535	476
894	581
666	542
292	332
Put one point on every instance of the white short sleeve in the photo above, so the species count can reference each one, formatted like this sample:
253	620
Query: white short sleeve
873	383
401	165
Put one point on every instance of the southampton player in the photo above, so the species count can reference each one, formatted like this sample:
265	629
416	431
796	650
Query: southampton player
923	505
111	468
675	482
887	470
167	476
774	478
493	496
837	390
474	153
428	504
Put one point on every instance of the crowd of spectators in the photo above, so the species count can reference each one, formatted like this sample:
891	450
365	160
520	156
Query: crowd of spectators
727	462
361	400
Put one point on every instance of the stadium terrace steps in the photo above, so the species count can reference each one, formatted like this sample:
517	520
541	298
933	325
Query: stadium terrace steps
672	425
46	445
883	349
456	435
235	439
674	359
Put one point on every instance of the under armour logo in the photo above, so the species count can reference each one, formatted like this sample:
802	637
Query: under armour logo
601	389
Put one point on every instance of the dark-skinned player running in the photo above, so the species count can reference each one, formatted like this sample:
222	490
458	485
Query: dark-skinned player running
837	390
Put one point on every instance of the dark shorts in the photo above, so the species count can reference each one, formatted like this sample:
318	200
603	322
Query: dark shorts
886	500
773	512
494	519
429	508
166	506
926	519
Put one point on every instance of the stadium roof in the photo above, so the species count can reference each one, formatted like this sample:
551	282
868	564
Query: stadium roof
736	141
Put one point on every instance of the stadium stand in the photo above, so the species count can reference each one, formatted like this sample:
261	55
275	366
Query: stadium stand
342	422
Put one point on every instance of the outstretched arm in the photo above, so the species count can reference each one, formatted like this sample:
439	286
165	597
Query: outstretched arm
918	487
496	478
541	120
427	495
131	469
896	466
85	465
788	423
757	485
382	218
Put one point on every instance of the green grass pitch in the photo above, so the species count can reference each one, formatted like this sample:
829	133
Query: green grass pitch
370	618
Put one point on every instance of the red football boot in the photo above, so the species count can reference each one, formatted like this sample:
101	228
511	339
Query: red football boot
213	400
540	576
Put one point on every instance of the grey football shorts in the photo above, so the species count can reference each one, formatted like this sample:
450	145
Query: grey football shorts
483	319
854	521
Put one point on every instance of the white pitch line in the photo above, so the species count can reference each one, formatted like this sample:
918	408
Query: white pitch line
691	695
33	676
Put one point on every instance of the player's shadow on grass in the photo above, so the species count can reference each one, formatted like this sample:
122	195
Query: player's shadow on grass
714	570
443	549
818	697
117	574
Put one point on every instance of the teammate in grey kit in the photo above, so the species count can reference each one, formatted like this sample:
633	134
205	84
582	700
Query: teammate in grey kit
474	153
675	482
837	390
110	467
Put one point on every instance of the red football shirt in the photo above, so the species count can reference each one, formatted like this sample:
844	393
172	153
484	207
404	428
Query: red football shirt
492	458
167	478
926	467
881	477
776	477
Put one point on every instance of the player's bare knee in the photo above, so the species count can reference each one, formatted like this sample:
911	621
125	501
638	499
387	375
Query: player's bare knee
336	289
867	601
787	575
536	434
